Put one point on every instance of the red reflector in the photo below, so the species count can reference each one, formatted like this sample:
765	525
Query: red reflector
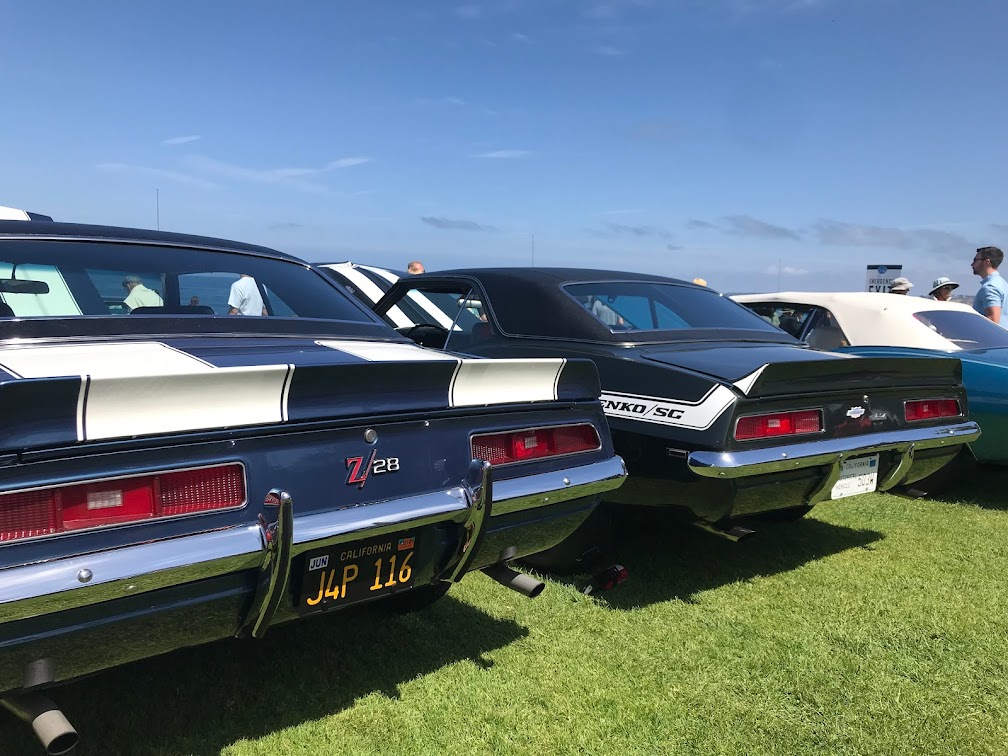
776	424
929	409
534	443
111	502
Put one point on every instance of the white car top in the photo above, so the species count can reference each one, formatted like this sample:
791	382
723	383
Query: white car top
872	319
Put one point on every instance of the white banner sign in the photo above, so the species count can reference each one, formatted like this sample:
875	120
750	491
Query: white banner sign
880	277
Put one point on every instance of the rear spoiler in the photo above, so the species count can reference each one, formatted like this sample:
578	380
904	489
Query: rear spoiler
817	376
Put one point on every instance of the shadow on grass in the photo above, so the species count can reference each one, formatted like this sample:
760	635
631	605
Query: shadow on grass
199	700
669	558
971	483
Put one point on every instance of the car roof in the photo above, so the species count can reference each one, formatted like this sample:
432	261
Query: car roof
558	275
873	319
13	229
866	301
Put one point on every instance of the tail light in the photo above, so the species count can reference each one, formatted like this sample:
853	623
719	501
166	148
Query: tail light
752	427
534	443
60	509
931	409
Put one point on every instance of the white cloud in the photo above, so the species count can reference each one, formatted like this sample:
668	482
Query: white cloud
128	169
181	139
292	177
787	270
505	154
523	38
609	51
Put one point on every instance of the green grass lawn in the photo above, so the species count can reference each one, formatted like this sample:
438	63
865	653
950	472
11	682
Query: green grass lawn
876	625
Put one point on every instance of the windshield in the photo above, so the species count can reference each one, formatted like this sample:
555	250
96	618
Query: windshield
70	279
965	329
652	306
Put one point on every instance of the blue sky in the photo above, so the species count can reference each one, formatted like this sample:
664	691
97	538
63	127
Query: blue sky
728	139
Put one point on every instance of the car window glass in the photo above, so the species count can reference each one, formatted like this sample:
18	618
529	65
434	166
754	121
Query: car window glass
825	333
647	305
436	310
788	317
42	278
966	330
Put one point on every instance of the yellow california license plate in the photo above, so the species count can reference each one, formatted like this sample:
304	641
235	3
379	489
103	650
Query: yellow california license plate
344	574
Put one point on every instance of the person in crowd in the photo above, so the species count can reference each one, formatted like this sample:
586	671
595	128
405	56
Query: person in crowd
942	289
244	298
900	286
415	267
990	299
138	295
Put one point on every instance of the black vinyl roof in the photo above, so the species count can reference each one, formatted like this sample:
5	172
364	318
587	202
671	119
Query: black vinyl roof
15	229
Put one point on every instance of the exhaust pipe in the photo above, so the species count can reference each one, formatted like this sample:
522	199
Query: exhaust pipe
516	581
733	533
50	726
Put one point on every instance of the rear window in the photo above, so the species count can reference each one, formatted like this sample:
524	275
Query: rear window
69	279
651	306
965	329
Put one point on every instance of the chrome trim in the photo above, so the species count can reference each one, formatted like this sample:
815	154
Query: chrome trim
826	451
899	470
275	570
562	485
479	491
46	587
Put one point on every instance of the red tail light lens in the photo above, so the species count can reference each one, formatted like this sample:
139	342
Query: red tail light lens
534	443
110	502
931	409
751	427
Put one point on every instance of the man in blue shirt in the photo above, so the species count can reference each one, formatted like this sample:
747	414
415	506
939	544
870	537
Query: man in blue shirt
993	294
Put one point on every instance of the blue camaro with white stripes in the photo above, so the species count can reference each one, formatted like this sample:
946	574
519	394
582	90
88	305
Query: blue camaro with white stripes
213	436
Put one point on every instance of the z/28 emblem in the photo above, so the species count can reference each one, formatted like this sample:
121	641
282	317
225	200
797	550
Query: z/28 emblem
361	469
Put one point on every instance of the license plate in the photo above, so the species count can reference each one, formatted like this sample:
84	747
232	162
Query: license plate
351	572
857	476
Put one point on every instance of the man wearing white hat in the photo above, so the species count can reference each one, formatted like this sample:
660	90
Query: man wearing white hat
942	289
900	286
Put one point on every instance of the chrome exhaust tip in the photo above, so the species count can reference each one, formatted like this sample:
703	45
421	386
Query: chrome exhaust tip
49	724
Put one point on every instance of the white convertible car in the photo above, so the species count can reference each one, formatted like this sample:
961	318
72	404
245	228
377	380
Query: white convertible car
894	324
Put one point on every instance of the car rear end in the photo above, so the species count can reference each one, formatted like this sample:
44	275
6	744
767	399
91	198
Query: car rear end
810	431
116	549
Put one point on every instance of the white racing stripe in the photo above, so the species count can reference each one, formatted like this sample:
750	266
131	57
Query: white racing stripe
370	289
377	351
144	388
745	384
664	411
419	299
141	358
479	382
215	398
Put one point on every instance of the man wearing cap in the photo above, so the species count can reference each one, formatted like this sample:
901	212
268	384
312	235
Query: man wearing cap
900	286
993	293
139	295
942	289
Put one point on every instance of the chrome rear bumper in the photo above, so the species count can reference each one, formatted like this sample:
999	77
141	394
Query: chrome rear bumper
832	452
46	587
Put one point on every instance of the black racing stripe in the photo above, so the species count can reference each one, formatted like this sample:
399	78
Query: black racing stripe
578	380
368	388
39	412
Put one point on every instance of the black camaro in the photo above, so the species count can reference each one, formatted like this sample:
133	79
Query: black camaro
711	407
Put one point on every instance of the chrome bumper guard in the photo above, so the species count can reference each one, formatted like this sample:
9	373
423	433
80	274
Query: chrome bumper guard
46	587
832	452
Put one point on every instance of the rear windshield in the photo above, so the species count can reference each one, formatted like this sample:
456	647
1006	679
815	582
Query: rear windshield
965	329
69	279
651	306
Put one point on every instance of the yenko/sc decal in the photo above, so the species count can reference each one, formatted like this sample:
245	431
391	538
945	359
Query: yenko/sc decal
653	409
360	470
